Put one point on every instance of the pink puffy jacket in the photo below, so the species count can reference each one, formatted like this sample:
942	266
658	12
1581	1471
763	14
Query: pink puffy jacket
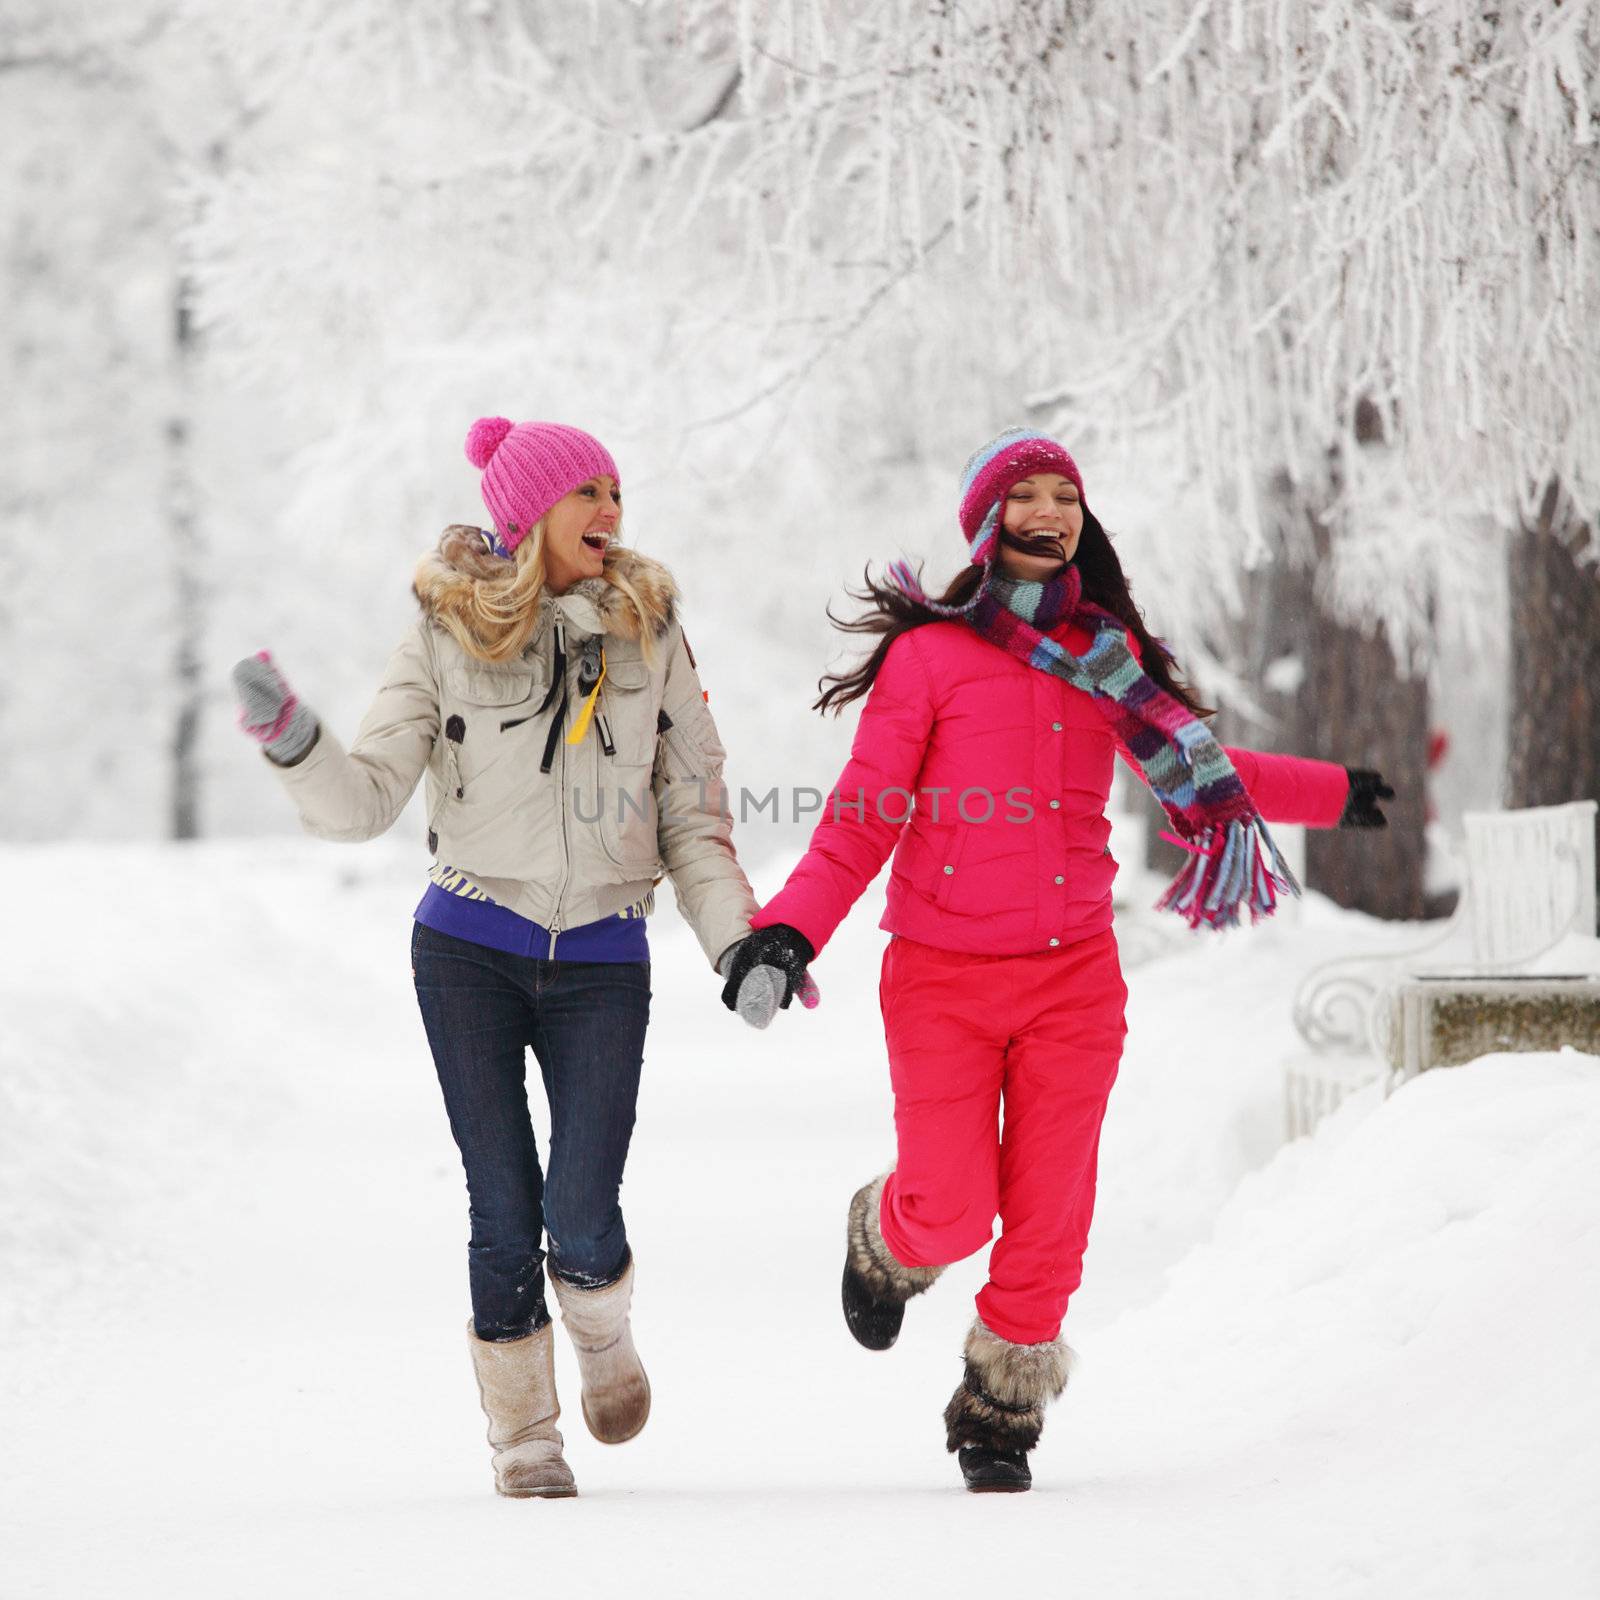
1005	850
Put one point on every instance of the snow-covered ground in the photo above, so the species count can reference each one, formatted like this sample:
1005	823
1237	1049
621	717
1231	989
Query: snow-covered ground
233	1289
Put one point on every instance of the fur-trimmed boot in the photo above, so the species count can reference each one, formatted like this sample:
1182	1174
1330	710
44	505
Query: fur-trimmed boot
517	1384
876	1286
996	1414
616	1393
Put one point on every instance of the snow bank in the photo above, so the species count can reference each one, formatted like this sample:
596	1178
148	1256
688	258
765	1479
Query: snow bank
148	999
1392	1334
231	1275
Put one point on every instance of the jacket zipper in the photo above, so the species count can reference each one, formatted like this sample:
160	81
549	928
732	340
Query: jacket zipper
561	822
451	786
692	768
566	859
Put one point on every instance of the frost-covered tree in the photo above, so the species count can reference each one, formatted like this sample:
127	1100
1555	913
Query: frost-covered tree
89	694
1278	211
1263	222
1554	743
828	243
1233	224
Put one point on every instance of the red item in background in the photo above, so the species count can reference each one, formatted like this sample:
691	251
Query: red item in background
1438	749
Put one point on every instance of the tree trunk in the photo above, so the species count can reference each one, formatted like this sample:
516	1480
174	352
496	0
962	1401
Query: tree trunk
1360	711
1330	690
1553	752
188	609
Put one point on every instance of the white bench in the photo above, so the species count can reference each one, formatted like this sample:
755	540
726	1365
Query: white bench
1530	887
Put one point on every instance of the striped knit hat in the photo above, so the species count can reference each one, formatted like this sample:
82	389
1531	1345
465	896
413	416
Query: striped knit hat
991	474
528	466
988	477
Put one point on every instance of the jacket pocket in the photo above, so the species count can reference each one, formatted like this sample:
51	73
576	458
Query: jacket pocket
621	810
626	708
484	684
482	705
947	862
932	861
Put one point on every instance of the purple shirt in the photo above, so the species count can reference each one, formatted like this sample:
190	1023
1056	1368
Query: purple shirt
614	938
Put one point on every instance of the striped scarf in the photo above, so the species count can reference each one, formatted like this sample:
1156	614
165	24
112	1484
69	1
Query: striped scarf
1235	865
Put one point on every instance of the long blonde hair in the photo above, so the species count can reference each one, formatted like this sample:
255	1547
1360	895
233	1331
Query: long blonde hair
491	605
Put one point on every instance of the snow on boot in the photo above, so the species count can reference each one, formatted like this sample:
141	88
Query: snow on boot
997	1412
517	1384
616	1393
994	1471
876	1286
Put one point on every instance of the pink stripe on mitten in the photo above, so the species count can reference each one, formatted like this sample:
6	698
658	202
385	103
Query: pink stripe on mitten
270	733
267	732
809	995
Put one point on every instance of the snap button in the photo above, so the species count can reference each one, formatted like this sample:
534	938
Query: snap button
1059	878
1055	727
949	870
1055	805
1054	943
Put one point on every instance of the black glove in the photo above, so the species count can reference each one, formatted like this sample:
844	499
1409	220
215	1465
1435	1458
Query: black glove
779	946
1367	788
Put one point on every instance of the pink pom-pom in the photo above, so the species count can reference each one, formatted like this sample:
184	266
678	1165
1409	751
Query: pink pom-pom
483	439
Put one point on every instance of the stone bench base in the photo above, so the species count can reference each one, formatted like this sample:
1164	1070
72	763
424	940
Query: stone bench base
1444	1020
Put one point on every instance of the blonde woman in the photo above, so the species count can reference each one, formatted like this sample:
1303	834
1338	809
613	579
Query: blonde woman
551	698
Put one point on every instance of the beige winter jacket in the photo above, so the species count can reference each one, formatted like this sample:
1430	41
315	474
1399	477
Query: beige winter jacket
592	835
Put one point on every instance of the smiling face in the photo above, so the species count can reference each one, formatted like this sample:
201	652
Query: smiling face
578	529
1045	511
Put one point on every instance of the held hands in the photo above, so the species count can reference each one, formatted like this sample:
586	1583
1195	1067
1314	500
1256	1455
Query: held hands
765	971
269	711
1367	788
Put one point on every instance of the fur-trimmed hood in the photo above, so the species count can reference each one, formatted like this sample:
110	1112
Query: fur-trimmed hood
633	595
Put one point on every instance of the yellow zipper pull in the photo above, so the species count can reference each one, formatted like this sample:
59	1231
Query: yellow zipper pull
580	725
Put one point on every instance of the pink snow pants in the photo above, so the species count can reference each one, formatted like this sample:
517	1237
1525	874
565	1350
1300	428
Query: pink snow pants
1041	1034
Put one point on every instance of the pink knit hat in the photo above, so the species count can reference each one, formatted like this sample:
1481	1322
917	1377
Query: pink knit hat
528	466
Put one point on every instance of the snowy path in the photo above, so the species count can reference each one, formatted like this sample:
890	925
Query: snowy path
231	1225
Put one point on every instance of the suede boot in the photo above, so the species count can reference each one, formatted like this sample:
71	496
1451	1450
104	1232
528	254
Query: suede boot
517	1384
997	1412
616	1393
876	1286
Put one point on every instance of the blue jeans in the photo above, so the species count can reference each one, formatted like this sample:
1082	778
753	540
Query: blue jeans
586	1022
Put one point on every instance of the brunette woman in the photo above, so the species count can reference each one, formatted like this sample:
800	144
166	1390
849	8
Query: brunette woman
984	760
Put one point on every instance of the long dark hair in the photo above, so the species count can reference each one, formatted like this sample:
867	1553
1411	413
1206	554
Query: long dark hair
894	612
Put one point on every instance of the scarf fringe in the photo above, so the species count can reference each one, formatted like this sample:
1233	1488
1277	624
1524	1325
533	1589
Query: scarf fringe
1234	868
904	578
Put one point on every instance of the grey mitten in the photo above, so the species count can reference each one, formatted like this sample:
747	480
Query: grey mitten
759	995
765	971
269	711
